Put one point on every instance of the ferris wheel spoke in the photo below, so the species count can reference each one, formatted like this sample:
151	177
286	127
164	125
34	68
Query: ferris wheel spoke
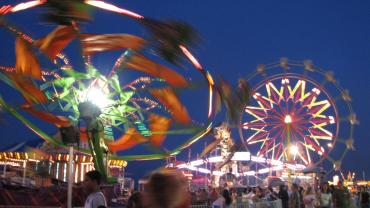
272	149
255	125
251	125
284	154
316	147
265	148
305	160
254	135
301	110
326	120
317	108
322	120
280	145
258	110
304	157
276	117
273	93
298	90
310	97
258	115
262	101
319	132
282	111
257	136
262	146
270	141
294	135
307	148
258	141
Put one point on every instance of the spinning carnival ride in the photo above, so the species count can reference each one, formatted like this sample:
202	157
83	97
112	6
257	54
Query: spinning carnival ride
101	103
298	114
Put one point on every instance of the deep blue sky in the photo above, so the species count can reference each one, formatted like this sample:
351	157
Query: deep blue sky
238	35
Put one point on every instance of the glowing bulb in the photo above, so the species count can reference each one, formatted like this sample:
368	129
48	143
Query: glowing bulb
293	149
97	97
288	119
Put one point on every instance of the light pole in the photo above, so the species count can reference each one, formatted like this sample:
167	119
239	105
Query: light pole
70	136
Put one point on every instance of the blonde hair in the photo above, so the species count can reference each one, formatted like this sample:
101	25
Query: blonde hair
309	190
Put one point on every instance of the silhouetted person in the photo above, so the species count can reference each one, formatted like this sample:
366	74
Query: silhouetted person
271	195
284	196
294	199
341	196
325	196
135	201
364	198
91	184
227	197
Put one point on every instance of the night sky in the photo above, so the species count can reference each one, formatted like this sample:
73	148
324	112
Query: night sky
236	36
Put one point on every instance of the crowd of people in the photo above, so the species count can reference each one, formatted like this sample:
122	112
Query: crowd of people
170	190
296	196
324	196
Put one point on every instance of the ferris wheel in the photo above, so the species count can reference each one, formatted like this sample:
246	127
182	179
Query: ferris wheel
298	113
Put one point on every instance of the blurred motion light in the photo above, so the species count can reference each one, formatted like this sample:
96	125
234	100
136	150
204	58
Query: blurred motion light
293	149
97	97
241	156
288	119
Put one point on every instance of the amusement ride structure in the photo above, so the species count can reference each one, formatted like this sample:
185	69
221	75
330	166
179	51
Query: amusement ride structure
298	120
138	102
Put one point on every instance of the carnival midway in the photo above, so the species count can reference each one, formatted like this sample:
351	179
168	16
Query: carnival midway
276	138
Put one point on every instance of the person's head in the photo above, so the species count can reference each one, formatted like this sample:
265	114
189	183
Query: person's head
254	190
135	201
309	190
324	187
270	189
257	190
261	192
339	184
166	190
295	187
282	187
226	195
249	189
92	181
331	187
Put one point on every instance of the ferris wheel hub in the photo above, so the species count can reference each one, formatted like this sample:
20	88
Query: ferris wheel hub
288	119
